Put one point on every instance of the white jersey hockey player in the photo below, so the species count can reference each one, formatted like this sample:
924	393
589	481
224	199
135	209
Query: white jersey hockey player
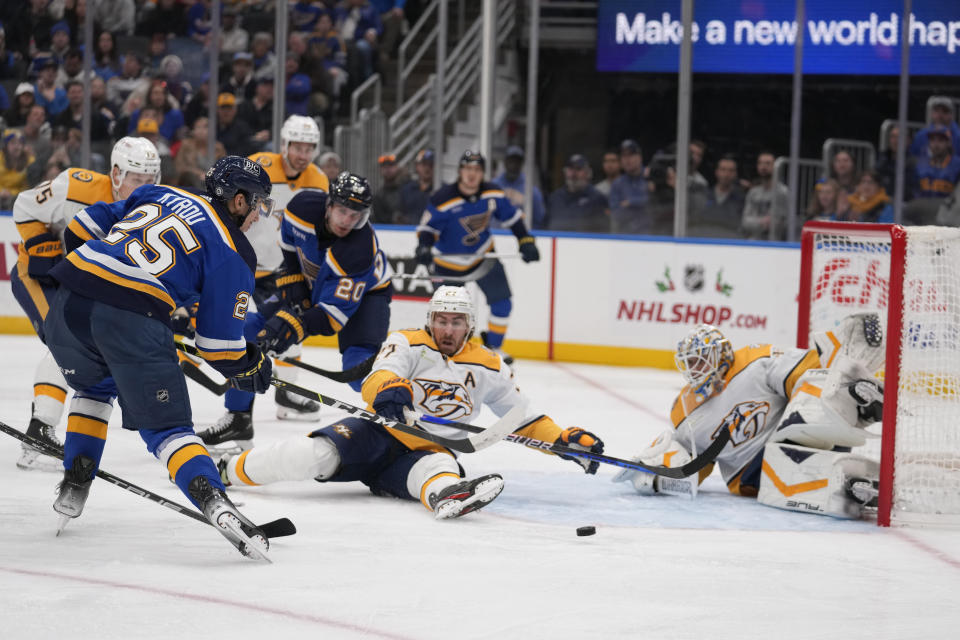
41	215
792	414
437	371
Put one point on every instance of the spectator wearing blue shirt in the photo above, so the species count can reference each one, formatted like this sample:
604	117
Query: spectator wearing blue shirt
359	23
415	193
629	193
870	202
513	182
298	87
936	174
577	205
47	94
941	115
392	16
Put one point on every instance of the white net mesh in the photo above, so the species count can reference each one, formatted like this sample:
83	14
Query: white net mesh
850	273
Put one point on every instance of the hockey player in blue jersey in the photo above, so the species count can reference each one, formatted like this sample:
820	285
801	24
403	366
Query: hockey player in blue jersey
454	235
109	328
336	282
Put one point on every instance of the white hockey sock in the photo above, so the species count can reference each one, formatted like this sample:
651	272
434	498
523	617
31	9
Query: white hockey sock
432	474
290	459
49	391
284	371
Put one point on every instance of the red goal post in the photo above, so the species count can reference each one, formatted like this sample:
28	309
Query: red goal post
911	277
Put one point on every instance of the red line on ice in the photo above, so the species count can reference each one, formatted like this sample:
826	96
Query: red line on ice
247	606
923	546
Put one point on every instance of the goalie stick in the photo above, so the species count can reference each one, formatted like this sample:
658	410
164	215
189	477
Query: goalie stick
273	529
707	456
481	439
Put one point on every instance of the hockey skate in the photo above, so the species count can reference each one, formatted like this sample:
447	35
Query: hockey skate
507	358
31	458
864	491
232	433
466	496
290	406
221	512
73	490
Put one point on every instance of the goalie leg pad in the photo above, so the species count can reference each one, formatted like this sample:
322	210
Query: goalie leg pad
820	414
812	480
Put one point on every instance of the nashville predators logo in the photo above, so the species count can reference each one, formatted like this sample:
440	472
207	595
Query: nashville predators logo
476	224
343	430
745	421
264	161
445	399
82	176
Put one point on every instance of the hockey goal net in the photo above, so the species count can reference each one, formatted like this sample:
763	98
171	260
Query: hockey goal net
911	277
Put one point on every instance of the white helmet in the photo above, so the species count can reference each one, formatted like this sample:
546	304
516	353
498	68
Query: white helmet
299	129
134	155
449	299
704	357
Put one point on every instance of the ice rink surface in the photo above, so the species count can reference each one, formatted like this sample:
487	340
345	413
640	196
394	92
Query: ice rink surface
368	567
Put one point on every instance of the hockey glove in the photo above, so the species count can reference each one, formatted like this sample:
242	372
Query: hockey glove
868	395
256	379
44	251
393	397
281	332
577	438
294	291
424	254
528	249
181	325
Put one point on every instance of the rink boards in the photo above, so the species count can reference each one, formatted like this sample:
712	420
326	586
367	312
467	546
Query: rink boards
591	298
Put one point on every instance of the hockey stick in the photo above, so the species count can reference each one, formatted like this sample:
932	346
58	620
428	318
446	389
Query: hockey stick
347	375
485	266
482	439
707	456
193	372
273	529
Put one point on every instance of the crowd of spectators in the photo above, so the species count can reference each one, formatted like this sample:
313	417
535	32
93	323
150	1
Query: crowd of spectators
150	76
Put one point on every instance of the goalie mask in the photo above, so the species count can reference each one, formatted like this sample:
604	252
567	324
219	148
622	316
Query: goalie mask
704	357
450	299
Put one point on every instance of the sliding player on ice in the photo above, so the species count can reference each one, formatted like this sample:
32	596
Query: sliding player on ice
792	414
109	329
42	214
437	371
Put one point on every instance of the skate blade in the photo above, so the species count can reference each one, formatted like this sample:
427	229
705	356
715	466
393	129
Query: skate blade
62	523
230	447
297	416
484	493
33	460
254	547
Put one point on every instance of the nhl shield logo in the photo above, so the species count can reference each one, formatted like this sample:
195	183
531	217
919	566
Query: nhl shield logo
163	395
693	277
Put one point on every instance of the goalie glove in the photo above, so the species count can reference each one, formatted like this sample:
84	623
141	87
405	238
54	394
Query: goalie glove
281	332
577	438
868	395
393	396
257	378
44	251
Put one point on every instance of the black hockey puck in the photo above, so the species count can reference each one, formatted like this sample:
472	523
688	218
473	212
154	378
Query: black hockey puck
586	531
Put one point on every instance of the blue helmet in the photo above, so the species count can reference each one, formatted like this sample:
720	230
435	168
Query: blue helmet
231	175
472	157
353	192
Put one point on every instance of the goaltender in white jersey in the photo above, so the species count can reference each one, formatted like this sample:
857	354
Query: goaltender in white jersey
792	415
41	215
435	371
